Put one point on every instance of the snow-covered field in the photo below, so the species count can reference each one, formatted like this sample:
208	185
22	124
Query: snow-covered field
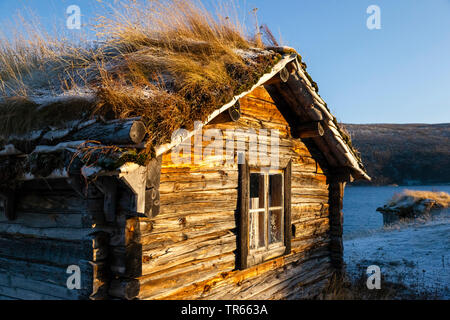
415	254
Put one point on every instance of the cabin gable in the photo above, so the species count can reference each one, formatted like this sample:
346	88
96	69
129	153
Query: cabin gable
191	250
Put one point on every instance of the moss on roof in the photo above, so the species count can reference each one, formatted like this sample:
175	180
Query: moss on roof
170	63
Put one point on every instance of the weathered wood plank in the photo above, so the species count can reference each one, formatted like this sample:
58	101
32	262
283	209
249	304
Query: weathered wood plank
37	289
62	253
55	220
69	234
22	294
56	202
191	251
183	275
232	280
124	132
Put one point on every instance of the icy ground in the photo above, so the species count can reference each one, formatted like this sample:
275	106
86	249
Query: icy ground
414	254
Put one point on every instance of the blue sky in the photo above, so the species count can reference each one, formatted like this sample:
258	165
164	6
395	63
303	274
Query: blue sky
399	74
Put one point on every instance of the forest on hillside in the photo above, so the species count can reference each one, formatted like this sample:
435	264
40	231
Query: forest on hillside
404	154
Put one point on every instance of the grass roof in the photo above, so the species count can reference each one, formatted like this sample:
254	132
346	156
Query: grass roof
170	62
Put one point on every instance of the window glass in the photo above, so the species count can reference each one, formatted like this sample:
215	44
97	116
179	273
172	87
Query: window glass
265	210
256	191
257	230
275	190
275	226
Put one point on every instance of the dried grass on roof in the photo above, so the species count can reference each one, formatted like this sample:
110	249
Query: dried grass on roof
170	62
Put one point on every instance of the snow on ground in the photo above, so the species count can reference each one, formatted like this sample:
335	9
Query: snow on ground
416	255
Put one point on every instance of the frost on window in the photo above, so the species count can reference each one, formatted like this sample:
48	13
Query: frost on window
265	210
257	234
275	226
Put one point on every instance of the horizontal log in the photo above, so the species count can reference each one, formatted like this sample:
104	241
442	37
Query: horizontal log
69	234
308	130
55	220
309	180
280	284
36	289
56	202
57	252
117	132
230	115
188	198
191	251
303	214
223	282
199	185
288	278
174	278
18	293
314	227
192	227
45	278
163	240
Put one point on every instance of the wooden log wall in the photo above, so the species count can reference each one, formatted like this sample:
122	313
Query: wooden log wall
54	228
190	248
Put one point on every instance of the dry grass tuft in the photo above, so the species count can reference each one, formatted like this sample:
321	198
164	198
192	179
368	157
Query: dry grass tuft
441	199
346	288
171	62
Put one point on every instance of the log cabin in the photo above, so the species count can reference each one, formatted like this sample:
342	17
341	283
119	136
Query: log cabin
247	204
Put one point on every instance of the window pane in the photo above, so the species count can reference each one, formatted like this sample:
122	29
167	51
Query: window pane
275	190
275	226
256	191
257	234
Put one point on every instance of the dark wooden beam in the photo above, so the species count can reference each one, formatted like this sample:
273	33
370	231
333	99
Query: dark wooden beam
336	226
118	132
284	75
232	114
308	130
127	289
244	183
287	207
108	186
9	202
154	173
341	174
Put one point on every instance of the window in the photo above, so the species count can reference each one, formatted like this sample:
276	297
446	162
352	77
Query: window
265	215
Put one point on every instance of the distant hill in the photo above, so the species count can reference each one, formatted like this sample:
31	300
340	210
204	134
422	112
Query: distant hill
404	154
